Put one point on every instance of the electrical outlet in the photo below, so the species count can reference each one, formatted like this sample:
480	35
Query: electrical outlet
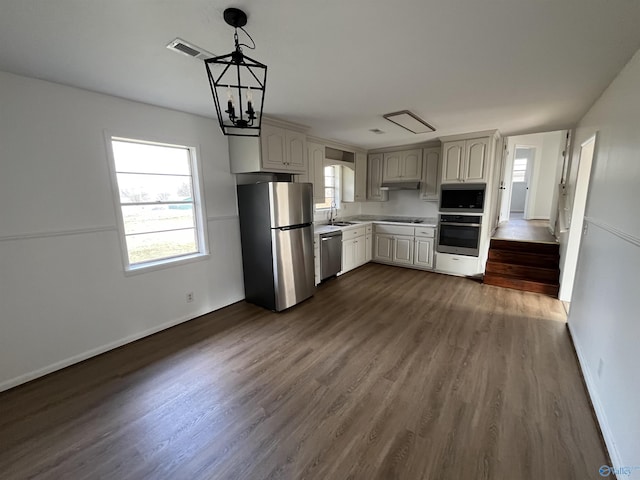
189	297
600	368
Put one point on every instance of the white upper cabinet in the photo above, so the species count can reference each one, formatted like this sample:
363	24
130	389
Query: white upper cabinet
412	164
476	159
361	178
278	150
466	160
402	166
296	154
452	158
272	141
316	170
429	186
374	179
391	169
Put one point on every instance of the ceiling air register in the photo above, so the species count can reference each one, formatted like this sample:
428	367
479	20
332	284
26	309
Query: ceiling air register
237	84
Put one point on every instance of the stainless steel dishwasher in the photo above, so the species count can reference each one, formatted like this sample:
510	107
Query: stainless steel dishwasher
330	254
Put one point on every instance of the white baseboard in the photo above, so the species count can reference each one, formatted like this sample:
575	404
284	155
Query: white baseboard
597	406
27	377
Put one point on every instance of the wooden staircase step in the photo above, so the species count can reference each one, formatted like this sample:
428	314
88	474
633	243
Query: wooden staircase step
524	258
525	272
520	284
525	247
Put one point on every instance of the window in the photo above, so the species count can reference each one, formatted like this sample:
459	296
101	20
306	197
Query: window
158	198
519	169
331	187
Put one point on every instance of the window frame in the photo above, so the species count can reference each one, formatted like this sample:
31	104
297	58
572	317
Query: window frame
200	217
337	188
524	171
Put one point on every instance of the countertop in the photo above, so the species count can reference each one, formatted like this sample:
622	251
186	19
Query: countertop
388	219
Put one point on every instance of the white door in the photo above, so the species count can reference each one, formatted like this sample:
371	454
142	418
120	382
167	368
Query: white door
272	142
296	155
411	165
452	158
374	179
476	159
403	250
392	167
505	182
576	220
521	178
429	184
384	248
501	187
423	256
360	251
348	255
361	178
316	170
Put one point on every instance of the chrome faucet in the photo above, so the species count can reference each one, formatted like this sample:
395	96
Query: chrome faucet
332	209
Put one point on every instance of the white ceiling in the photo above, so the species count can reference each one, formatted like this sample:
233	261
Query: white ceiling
462	65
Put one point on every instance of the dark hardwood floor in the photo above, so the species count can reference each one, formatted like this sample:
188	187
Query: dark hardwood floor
517	228
386	373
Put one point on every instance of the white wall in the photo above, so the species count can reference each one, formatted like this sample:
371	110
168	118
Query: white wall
401	203
604	317
63	293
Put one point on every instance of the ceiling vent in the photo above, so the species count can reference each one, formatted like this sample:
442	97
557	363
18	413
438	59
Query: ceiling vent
189	49
409	121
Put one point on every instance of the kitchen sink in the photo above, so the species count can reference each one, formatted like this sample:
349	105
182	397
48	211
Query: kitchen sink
342	224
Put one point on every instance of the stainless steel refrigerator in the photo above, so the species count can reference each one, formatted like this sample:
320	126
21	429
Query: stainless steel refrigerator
276	229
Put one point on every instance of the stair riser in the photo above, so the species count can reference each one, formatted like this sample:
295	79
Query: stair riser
527	259
527	286
526	247
543	275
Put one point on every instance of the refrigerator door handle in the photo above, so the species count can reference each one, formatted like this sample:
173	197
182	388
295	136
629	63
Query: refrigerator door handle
294	227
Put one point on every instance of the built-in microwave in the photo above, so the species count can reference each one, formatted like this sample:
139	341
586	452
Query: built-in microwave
462	197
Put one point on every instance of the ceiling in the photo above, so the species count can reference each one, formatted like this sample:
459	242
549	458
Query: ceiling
520	66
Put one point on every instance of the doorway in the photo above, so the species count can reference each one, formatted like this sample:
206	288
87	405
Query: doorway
520	178
574	217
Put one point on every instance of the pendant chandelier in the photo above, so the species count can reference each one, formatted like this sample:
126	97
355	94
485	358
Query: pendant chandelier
237	84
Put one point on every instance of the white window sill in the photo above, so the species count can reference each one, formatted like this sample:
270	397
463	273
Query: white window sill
165	263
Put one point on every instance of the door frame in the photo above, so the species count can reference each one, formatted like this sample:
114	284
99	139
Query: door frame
576	220
528	177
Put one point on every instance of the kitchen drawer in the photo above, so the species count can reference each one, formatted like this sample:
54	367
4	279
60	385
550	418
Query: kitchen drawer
456	264
425	232
369	228
352	232
394	229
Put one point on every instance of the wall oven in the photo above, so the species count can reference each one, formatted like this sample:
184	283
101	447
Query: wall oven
462	197
459	234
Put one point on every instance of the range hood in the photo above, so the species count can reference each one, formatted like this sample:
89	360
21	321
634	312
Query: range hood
413	185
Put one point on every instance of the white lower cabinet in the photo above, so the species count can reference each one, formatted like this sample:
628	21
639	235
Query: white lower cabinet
423	254
368	249
384	248
354	247
403	250
353	253
404	246
316	258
